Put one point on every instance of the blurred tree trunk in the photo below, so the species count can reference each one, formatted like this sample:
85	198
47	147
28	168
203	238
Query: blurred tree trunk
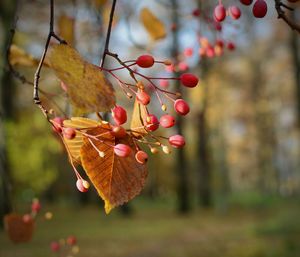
295	53
7	13
181	163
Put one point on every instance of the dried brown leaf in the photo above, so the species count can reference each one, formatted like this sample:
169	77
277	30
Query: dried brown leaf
139	115
116	179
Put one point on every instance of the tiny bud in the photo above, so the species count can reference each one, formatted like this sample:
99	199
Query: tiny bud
164	107
154	150
140	85
129	95
101	154
166	149
48	215
167	62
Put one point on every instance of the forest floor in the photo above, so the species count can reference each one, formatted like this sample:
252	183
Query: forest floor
154	230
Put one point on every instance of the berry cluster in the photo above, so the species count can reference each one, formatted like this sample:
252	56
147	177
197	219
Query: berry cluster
142	90
260	7
35	209
64	247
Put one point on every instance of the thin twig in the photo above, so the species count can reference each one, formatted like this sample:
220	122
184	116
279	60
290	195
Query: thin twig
108	34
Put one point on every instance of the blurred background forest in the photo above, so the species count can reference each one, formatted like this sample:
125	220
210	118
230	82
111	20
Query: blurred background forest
235	188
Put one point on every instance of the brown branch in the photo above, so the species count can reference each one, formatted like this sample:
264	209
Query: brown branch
108	34
282	15
51	34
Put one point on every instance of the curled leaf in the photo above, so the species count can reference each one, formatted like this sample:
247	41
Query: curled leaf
154	26
88	88
139	115
117	179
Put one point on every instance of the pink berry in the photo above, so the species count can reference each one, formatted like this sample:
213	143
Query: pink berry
55	247
170	68
260	9
177	141
210	52
183	66
220	13
69	133
122	150
235	12
57	123
118	131
27	218
82	185
119	115
71	240
35	206
142	97
167	121
151	122
218	26
141	157
196	12
189	80
181	107
145	61
188	52
246	2
163	83
202	52
231	46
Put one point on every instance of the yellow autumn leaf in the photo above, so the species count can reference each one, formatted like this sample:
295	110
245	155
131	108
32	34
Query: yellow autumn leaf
139	115
117	179
66	28
87	87
155	27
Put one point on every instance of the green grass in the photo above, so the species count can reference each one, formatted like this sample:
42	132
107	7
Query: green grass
155	230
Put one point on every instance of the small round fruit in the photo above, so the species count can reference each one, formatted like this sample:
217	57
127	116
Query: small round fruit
122	150
220	13
57	123
151	122
142	97
183	66
189	80
181	107
246	2
118	131
27	218
82	185
163	83
69	133
231	46
71	240
177	141
235	12
188	52
260	9
119	115
167	121
36	205
141	157
145	61
55	246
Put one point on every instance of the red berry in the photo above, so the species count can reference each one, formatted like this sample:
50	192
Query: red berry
220	13
220	43
27	218
189	80
82	185
118	131
119	114
231	46
260	8
145	61
142	97
188	52
167	121
177	141
196	12
57	123
71	240
218	26
210	52
246	2
55	247
35	206
181	107
151	122
69	133
122	150
141	157
235	12
164	83
183	66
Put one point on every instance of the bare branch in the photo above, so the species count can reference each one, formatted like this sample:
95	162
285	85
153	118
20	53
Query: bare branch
282	15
